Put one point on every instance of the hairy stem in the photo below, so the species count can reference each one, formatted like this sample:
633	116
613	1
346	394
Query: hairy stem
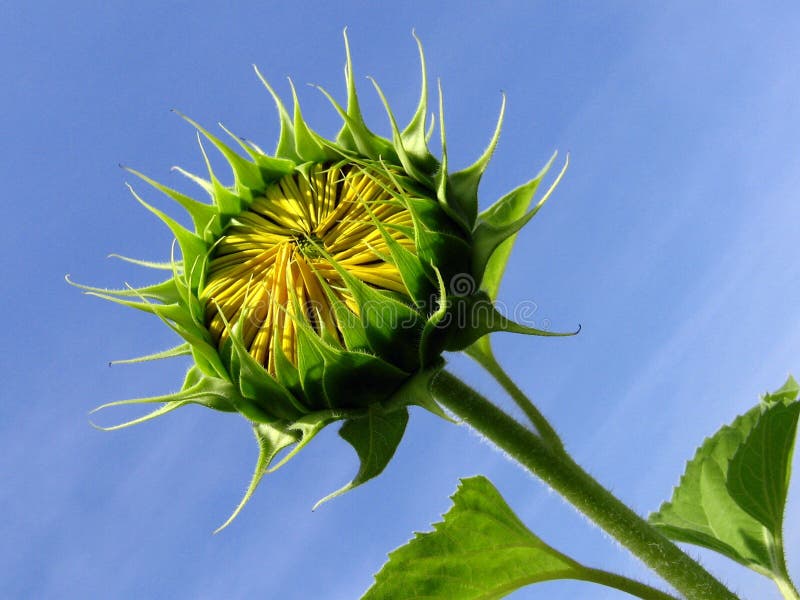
485	357
781	575
561	473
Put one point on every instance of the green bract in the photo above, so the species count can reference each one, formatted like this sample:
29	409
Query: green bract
324	284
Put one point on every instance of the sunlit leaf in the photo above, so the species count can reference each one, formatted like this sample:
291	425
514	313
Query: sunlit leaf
732	494
480	550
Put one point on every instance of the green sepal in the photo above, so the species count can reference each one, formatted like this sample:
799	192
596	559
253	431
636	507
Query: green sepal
432	338
183	281
192	247
204	353
355	136
165	292
307	428
383	329
203	215
405	158
258	386
356	380
205	356
285	148
354	334
344	379
375	437
311	367
228	203
501	222
414	276
462	186
435	243
180	350
175	316
414	137
508	209
271	168
355	139
196	179
288	375
306	143
450	206
255	384
480	316
169	312
271	440
246	174
205	391
149	264
416	391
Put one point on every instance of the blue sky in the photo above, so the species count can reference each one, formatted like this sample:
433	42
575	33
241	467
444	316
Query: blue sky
672	241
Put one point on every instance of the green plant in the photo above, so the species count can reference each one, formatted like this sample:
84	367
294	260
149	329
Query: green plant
324	285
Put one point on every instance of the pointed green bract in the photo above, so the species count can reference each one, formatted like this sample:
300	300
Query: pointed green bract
414	136
463	185
179	350
206	391
307	144
375	438
271	440
479	311
246	174
500	224
509	208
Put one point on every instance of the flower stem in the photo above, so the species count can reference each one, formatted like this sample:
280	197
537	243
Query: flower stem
484	356
561	473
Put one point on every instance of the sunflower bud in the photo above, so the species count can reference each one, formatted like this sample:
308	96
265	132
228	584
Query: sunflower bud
325	282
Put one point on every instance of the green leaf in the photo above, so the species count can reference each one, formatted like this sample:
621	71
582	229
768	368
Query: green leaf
480	550
375	438
786	393
758	474
732	494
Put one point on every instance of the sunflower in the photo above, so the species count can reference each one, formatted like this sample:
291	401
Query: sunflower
325	282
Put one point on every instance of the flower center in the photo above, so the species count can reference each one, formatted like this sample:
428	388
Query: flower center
273	269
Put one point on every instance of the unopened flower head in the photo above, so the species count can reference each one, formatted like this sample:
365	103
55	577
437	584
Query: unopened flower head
321	285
